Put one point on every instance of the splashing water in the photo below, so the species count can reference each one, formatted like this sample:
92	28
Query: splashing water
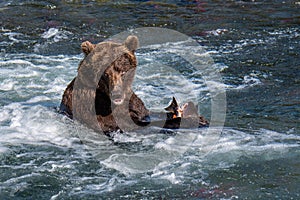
45	155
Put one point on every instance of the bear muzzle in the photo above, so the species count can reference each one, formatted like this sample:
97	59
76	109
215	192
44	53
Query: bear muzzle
117	96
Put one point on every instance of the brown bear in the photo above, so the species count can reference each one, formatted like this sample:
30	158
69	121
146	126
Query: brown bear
104	83
101	95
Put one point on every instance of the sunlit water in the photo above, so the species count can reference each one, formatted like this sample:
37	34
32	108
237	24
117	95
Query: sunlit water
45	155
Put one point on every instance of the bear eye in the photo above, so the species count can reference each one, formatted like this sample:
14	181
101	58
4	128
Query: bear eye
123	73
105	75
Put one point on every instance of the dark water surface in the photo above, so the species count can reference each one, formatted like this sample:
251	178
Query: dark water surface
255	46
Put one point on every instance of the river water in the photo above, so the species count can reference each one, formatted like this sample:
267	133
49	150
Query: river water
255	47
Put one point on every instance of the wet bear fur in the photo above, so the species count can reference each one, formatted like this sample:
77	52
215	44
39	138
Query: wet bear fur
112	94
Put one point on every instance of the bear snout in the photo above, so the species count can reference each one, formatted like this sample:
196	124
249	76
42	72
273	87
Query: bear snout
117	95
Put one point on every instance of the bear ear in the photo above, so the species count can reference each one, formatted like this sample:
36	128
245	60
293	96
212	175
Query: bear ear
132	43
87	47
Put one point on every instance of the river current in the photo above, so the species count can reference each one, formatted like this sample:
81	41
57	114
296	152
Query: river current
255	47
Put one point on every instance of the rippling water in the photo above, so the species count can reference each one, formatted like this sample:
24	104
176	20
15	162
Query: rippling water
255	46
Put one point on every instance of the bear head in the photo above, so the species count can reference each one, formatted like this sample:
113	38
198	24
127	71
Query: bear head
109	67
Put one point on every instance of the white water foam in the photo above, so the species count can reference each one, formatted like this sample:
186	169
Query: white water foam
28	82
33	124
56	34
253	79
7	85
172	157
13	36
